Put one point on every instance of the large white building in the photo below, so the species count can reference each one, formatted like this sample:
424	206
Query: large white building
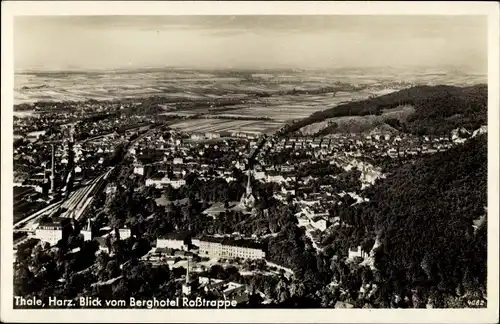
215	247
50	232
178	241
161	182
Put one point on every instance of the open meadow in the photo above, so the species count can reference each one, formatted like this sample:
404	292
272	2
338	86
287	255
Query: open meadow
227	125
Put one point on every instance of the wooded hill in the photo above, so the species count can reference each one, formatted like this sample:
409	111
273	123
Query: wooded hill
438	109
424	215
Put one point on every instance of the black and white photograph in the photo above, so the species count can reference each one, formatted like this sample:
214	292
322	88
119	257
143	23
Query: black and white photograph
238	162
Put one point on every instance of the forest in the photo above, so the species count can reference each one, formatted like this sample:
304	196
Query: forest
423	214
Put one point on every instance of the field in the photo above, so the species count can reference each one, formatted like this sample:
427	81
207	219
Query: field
281	108
186	84
221	97
284	108
227	125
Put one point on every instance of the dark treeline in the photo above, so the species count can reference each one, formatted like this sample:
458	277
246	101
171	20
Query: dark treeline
134	105
424	213
323	90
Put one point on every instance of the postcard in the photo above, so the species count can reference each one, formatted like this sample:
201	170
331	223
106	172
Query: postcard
250	162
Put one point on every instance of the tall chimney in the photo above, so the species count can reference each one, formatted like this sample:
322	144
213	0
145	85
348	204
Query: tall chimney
52	170
249	181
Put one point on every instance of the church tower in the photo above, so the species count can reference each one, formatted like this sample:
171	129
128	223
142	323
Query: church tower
248	200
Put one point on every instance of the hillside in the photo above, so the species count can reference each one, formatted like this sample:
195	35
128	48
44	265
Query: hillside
424	215
437	109
350	124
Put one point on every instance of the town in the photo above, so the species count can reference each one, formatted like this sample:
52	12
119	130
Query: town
139	189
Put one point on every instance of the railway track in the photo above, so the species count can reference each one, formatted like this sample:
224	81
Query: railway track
80	199
46	210
75	204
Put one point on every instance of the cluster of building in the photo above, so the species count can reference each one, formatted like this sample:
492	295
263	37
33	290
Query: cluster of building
34	124
315	209
55	162
33	160
177	157
224	134
43	116
51	231
180	250
358	144
164	158
110	125
225	289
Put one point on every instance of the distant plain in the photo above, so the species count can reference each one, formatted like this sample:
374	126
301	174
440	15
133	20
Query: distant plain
277	95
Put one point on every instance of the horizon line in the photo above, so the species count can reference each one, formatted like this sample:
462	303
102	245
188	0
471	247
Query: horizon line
463	69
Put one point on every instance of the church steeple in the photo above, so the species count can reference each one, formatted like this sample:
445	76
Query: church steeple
248	200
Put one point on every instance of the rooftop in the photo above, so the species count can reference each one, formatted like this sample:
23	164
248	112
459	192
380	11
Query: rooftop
176	236
211	239
55	222
243	243
232	242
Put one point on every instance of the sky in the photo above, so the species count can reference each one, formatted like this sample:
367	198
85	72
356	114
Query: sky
253	42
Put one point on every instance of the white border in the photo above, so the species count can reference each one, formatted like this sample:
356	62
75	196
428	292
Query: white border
491	9
249	8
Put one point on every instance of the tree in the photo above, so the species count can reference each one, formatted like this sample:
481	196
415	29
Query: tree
102	261
24	282
112	269
283	296
297	289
